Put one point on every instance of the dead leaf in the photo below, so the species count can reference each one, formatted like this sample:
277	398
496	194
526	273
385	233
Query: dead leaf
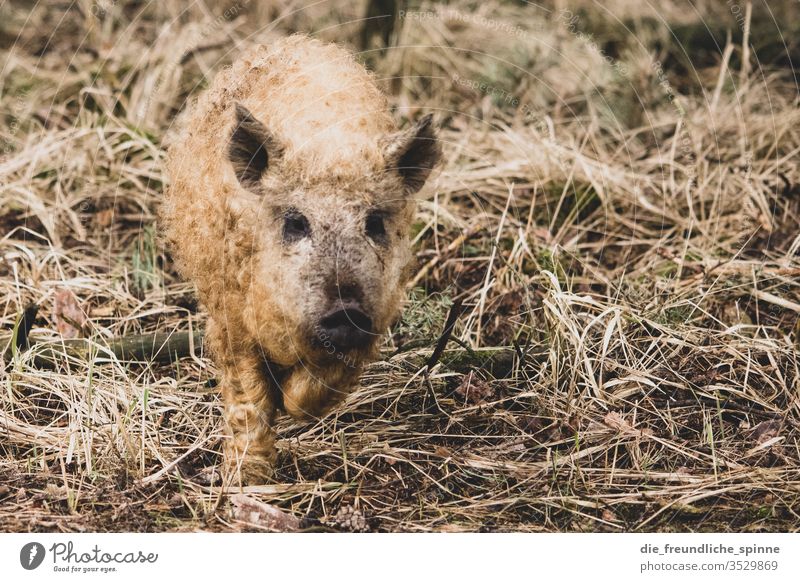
255	512
615	421
68	315
443	452
609	515
766	430
104	217
474	390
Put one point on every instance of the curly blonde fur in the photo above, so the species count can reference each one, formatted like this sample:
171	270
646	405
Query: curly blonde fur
291	197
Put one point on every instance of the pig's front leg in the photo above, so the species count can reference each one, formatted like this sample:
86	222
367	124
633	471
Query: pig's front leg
250	452
309	392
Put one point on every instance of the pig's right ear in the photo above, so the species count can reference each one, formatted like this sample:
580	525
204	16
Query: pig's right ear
413	153
252	148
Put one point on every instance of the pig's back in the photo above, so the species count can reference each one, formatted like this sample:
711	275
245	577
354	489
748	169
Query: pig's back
321	104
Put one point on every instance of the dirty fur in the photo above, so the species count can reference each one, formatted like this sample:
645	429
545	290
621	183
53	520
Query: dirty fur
291	194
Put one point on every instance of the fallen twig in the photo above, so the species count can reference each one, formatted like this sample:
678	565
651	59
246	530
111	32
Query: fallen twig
452	317
166	347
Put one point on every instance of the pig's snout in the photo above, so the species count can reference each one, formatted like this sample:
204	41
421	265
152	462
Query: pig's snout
346	327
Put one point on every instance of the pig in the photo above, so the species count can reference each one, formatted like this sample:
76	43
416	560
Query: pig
290	199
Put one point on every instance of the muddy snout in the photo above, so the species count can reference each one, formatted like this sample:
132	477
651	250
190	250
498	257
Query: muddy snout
346	327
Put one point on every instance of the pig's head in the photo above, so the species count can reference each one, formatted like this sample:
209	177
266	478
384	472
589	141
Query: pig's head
329	255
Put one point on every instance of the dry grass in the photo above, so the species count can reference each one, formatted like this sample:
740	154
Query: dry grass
630	233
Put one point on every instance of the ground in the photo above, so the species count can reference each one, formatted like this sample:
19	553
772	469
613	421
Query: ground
617	216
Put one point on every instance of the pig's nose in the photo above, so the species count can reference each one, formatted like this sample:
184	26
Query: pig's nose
346	327
345	292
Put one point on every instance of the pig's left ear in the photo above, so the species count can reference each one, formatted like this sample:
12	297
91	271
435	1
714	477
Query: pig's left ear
413	153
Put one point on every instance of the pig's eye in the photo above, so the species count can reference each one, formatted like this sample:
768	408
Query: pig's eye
295	226
375	228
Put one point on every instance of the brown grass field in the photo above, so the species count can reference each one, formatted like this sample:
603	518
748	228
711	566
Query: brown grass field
618	213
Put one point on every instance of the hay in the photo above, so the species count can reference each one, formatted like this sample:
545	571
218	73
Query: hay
627	230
